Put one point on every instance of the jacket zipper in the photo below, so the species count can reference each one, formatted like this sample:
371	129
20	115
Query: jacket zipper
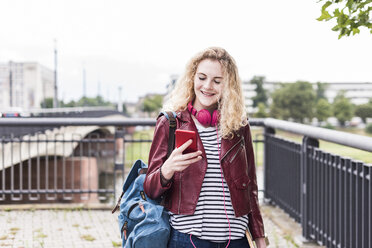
135	205
237	152
179	193
237	143
245	156
132	207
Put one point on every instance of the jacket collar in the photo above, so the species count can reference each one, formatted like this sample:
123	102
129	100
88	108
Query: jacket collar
226	144
184	116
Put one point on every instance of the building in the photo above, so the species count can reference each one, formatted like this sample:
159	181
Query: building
25	85
358	93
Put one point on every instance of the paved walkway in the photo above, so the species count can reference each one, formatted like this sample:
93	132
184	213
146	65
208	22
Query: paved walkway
76	226
58	228
79	227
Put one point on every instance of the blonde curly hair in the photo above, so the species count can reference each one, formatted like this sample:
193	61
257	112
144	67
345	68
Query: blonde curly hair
231	106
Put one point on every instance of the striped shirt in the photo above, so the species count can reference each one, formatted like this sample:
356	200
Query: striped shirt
209	219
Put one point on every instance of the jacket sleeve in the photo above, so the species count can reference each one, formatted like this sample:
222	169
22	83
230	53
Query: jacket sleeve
158	155
255	224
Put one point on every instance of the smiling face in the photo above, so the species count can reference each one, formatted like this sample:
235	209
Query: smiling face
208	84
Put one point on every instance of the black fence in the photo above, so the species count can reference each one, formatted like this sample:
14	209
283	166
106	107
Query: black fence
283	174
330	195
78	160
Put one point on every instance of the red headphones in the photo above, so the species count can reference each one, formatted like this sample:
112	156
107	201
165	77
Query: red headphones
203	116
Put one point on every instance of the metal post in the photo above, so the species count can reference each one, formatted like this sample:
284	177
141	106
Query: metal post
55	99
10	84
266	167
118	155
306	142
120	102
84	85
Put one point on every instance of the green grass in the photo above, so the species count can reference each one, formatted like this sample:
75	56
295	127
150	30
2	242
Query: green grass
41	235
136	151
345	151
116	244
258	147
88	237
333	148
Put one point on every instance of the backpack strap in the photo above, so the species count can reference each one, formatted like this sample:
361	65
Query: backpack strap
118	203
171	117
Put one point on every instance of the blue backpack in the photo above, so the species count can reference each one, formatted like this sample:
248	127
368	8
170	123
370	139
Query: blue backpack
143	222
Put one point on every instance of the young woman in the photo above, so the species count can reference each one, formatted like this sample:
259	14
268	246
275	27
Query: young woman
211	194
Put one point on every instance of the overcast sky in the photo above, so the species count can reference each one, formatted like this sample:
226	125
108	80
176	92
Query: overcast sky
138	44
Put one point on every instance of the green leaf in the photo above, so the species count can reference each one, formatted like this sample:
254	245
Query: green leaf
349	14
325	16
326	5
336	13
336	28
362	4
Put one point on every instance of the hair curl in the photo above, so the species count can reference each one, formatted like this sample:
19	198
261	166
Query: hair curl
231	106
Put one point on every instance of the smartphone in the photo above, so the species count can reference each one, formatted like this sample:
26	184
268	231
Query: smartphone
184	135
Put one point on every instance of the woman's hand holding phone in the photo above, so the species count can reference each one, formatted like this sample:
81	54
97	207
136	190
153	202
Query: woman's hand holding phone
178	161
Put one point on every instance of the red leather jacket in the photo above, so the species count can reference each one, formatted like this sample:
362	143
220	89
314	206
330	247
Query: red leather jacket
182	194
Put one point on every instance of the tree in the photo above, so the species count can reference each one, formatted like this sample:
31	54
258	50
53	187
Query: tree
47	103
320	91
364	111
323	110
350	15
261	94
97	101
152	103
261	113
125	109
369	128
342	108
70	104
92	102
293	100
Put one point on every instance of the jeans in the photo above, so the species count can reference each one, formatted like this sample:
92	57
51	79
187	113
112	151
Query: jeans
182	240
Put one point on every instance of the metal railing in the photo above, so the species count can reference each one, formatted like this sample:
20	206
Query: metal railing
330	195
13	130
77	160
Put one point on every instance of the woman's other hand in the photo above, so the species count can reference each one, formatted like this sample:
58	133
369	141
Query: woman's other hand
178	162
260	243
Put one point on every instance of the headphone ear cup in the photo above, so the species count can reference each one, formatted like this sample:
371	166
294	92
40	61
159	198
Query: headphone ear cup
191	109
204	117
215	117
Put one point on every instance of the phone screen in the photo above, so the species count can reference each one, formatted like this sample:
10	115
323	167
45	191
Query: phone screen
184	135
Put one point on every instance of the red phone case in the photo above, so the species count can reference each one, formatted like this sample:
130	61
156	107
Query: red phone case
184	135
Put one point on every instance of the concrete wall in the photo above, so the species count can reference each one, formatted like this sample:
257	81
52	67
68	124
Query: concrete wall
69	173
